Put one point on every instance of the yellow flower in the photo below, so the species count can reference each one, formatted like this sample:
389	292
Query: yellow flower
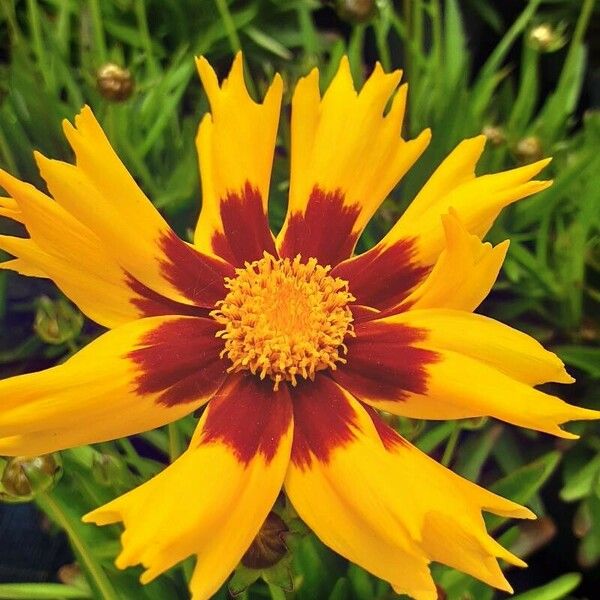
294	342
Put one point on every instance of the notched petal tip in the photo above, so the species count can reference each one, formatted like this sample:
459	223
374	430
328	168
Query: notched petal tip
209	79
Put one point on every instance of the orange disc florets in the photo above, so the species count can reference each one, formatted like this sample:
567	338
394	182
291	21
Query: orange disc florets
284	319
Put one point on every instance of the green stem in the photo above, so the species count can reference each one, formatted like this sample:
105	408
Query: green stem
100	41
176	446
451	445
355	53
93	569
232	34
7	154
381	39
11	18
142	19
577	39
35	24
276	592
309	35
234	39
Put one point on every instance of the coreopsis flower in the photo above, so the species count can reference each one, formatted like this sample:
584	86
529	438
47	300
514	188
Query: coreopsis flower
292	343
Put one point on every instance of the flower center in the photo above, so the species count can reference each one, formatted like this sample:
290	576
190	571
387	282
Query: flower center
284	319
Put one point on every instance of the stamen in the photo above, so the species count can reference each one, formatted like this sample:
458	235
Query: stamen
284	319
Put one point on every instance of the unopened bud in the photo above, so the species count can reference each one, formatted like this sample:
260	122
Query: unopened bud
268	547
356	11
529	149
56	321
494	134
70	574
114	83
24	477
546	38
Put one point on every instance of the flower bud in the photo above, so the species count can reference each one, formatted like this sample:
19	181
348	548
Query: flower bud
546	38
529	149
114	83
24	477
56	321
268	547
356	11
494	134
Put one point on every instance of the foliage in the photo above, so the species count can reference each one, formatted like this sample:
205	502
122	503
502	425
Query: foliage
550	285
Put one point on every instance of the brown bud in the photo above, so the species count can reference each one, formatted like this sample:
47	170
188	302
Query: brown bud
70	574
24	477
356	11
114	83
494	134
529	149
268	547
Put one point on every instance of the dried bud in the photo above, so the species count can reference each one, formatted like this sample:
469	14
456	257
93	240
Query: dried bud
114	83
529	149
546	38
56	321
268	547
356	11
24	477
70	574
494	134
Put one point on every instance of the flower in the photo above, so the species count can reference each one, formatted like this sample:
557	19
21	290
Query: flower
293	343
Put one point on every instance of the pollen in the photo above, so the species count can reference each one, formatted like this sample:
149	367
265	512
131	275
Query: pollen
284	319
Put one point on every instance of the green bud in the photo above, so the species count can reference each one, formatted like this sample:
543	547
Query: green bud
547	38
56	321
24	477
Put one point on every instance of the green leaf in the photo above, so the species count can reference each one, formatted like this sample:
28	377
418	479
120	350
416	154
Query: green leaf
41	591
585	358
582	482
58	505
521	485
555	590
341	590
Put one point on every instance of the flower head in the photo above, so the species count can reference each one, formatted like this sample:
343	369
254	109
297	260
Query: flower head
292	342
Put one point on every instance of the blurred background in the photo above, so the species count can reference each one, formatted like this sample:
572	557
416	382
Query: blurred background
526	74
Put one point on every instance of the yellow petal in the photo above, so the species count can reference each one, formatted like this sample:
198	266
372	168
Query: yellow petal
73	256
10	209
444	510
212	501
512	352
346	157
334	485
460	387
101	194
236	143
377	500
137	377
476	200
464	273
397	366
